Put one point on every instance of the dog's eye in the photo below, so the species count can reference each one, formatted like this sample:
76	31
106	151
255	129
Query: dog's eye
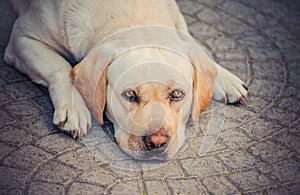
176	95
130	95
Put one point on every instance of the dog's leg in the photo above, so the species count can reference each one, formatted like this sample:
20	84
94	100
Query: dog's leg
229	88
45	66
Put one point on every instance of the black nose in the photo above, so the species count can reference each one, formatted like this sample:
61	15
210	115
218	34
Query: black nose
156	140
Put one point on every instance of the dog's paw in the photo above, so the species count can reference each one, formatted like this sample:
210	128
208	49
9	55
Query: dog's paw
229	88
71	114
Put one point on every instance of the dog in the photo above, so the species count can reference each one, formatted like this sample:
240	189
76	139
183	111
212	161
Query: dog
89	56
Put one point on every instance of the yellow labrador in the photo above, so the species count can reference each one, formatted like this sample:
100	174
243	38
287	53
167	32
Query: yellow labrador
137	64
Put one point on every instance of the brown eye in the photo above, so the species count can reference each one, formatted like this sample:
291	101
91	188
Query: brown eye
176	95
130	95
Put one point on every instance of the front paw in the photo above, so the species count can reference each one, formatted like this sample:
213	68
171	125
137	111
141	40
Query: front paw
229	88
71	114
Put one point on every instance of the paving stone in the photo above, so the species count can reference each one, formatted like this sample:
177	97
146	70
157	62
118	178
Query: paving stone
289	140
21	109
57	143
292	24
23	90
295	128
131	187
4	119
156	187
189	7
288	105
268	70
283	171
250	180
37	126
186	186
264	54
260	128
276	191
210	3
265	88
294	188
208	148
280	116
294	72
5	34
236	9
5	150
28	157
208	15
269	151
235	138
259	21
7	20
11	134
292	91
274	9
233	55
171	170
281	37
11	75
2	82
221	43
219	185
239	159
189	20
54	172
254	41
81	158
99	175
203	167
12	178
230	123
239	114
202	31
232	26
45	103
256	104
121	173
83	188
4	97
37	188
8	191
291	55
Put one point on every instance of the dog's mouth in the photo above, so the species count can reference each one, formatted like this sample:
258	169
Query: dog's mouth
149	147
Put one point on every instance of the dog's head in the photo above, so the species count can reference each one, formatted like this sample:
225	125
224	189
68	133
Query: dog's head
147	92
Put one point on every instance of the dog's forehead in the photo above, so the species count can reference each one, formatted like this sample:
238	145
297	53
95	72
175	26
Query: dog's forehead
150	65
152	72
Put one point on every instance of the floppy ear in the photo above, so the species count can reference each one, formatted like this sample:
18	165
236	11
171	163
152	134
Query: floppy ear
205	73
89	78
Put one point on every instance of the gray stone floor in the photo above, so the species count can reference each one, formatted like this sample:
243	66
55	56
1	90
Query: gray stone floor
257	152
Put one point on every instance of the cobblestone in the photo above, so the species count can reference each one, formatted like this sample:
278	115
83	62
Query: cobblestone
257	152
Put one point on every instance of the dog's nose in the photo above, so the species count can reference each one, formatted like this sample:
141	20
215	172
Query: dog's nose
156	140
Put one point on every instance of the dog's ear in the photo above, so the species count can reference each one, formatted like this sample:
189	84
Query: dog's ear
74	71
89	77
205	73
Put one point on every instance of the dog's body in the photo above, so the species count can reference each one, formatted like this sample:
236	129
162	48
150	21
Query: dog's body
49	36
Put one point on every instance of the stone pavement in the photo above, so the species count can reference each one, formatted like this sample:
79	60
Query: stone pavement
257	151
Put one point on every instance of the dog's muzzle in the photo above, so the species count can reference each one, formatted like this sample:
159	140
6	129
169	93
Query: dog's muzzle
160	139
